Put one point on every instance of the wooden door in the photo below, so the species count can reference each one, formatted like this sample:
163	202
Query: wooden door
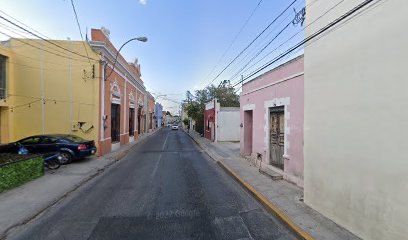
115	122
212	128
276	140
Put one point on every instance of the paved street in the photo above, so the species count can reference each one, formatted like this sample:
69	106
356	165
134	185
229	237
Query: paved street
165	188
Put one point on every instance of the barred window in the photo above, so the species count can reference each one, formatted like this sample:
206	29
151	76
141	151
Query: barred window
3	75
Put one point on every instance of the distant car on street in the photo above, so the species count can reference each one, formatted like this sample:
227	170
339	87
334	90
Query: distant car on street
174	127
71	147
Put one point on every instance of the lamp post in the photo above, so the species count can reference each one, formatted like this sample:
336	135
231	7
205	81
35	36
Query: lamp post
140	39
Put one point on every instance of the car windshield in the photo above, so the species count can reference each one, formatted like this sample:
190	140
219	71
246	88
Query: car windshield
73	138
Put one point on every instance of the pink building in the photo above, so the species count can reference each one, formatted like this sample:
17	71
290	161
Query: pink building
272	116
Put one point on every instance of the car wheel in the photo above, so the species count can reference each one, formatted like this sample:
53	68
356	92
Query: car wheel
53	164
65	158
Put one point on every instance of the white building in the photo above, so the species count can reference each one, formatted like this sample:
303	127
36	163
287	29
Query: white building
221	124
356	115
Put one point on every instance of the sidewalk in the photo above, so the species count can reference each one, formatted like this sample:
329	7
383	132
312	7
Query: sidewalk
22	204
279	193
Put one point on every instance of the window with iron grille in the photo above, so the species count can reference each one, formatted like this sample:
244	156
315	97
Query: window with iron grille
3	75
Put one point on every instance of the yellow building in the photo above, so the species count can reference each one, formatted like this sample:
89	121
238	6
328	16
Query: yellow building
50	87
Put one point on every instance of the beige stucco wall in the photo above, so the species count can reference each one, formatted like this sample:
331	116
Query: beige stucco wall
61	111
356	115
5	123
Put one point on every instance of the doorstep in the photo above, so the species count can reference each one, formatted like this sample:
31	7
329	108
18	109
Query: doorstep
264	169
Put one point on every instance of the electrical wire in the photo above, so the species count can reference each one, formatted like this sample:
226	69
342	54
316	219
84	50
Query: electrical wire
242	69
15	31
258	46
46	40
309	38
325	13
266	46
25	25
234	39
80	31
39	48
262	32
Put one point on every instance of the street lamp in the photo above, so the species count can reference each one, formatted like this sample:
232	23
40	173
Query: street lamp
140	39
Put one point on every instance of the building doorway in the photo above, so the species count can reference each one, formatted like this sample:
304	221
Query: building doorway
115	122
150	120
276	136
248	132
139	116
131	122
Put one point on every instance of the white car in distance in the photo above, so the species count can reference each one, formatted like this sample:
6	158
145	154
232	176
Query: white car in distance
174	127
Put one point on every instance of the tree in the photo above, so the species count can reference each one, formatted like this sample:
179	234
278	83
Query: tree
185	121
195	105
168	113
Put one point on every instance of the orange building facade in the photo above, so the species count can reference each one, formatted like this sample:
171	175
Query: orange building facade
122	112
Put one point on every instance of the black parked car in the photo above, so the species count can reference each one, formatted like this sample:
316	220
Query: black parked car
70	146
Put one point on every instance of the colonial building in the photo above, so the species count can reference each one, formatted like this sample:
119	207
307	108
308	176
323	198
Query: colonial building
356	101
272	120
71	87
123	106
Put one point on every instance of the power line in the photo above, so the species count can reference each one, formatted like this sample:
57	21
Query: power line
260	44
29	44
325	13
234	39
17	32
309	38
266	46
242	70
52	50
46	40
262	32
36	59
23	24
80	31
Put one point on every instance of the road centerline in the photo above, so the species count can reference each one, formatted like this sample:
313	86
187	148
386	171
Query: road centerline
165	141
156	166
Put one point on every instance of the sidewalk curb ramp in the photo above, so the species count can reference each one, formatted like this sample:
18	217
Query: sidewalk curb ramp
259	197
118	156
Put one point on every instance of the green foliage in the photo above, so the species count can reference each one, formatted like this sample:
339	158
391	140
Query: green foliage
16	173
168	113
194	105
185	121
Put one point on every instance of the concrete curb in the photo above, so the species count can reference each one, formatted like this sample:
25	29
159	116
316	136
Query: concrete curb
258	196
118	156
268	205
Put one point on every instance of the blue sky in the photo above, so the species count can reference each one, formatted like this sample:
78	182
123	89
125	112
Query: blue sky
186	37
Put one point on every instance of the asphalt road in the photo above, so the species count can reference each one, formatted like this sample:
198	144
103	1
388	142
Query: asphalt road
165	188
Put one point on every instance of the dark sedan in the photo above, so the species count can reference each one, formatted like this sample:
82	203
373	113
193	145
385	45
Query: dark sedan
70	146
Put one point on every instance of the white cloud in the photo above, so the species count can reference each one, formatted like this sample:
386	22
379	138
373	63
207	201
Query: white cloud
143	2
